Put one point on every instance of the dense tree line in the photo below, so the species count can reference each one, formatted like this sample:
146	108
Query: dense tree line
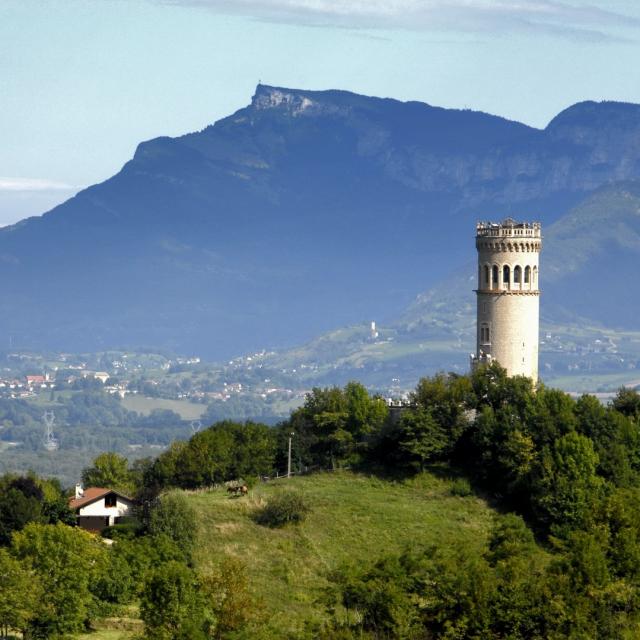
551	458
80	421
569	467
564	563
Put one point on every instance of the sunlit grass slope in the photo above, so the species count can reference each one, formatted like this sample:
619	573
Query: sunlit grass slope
353	518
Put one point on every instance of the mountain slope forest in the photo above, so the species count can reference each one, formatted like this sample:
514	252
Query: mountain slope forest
306	211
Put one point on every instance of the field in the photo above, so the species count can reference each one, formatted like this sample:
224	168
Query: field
605	383
114	629
185	409
354	518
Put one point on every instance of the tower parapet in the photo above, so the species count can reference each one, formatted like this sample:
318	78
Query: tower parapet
508	295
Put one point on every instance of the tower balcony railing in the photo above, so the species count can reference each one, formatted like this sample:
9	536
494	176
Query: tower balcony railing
515	230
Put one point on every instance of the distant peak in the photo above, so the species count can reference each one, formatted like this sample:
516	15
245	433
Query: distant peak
594	113
267	97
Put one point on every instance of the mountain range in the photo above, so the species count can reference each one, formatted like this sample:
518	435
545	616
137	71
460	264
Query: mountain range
307	211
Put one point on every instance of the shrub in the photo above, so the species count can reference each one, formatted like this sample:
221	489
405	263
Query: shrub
231	605
174	517
122	531
283	509
461	488
170	606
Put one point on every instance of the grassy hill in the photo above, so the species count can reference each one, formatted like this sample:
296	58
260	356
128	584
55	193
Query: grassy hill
354	518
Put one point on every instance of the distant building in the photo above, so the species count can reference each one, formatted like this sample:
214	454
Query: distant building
103	376
508	296
33	381
97	508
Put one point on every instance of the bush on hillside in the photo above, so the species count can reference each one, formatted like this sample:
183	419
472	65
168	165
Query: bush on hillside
283	509
461	488
123	531
174	517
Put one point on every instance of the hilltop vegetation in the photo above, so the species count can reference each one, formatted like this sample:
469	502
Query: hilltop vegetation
353	518
400	547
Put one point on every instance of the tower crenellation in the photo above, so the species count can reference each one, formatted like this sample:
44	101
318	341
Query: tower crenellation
508	295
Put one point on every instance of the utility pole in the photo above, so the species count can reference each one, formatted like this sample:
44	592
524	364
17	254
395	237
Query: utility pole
289	457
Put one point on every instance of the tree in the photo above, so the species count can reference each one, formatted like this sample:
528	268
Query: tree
206	458
114	581
25	499
16	511
448	398
163	472
171	607
254	450
420	438
19	592
627	402
566	488
553	415
620	514
334	426
510	537
145	553
226	450
66	561
501	449
494	388
616	439
380	598
227	597
55	506
111	471
174	517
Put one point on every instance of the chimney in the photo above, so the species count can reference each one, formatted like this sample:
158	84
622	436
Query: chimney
79	491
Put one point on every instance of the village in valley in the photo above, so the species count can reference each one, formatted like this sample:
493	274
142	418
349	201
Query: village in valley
388	362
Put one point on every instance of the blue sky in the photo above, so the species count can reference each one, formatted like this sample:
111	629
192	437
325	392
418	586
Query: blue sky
83	81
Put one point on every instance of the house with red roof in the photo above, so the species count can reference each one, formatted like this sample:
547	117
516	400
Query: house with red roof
36	381
97	508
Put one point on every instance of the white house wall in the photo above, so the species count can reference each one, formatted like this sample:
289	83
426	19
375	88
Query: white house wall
97	508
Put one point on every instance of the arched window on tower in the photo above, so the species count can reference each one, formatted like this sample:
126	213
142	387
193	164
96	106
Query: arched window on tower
495	275
535	276
506	276
486	276
517	274
527	275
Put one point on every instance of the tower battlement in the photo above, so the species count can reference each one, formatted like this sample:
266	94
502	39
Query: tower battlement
508	295
509	228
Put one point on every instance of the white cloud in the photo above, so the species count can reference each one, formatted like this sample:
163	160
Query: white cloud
33	184
554	17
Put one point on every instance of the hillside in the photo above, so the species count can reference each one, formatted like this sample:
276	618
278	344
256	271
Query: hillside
589	336
354	518
302	212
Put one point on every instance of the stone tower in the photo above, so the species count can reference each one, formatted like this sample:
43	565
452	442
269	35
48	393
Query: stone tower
508	296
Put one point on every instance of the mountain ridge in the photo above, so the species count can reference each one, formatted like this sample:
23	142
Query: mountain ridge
284	220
